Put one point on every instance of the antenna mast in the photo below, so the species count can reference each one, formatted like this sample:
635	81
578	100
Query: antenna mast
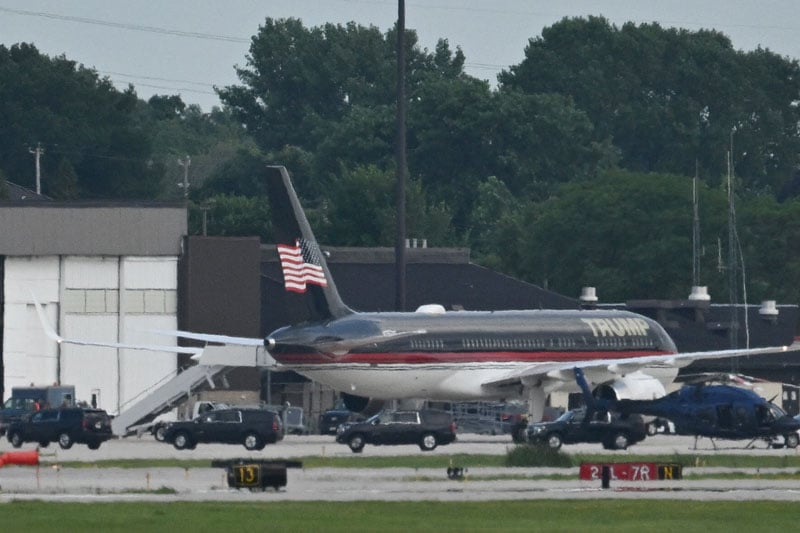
695	232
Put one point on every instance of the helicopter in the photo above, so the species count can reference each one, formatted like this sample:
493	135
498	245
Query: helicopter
713	411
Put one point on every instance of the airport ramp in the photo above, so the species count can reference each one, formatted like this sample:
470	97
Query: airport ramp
165	396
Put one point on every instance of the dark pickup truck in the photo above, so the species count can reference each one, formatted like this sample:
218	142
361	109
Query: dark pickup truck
609	429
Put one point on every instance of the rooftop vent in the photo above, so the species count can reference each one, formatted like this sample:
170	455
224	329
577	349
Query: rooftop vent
768	309
588	295
699	293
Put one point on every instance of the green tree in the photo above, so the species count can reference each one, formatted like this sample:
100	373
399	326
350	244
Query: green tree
670	98
360	211
75	116
626	234
769	234
496	226
232	216
3	186
63	185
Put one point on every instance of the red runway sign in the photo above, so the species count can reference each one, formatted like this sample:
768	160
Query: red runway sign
631	471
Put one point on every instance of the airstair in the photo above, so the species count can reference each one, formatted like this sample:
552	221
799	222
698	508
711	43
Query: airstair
165	396
174	389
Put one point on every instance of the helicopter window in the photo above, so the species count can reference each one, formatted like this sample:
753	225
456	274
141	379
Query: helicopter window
776	412
740	417
725	416
763	415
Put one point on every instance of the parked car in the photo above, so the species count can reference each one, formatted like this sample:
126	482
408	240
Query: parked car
293	418
330	420
253	428
488	418
426	428
609	429
65	426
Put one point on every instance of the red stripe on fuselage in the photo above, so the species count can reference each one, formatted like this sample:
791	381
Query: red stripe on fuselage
422	358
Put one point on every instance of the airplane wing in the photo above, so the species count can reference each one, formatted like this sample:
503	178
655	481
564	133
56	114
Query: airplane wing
208	337
51	333
564	372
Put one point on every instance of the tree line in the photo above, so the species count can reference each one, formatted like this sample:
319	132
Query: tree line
575	169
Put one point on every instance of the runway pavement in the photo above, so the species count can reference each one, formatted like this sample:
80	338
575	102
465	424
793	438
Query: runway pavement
54	482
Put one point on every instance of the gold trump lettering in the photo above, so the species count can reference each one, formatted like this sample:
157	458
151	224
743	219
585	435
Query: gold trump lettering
617	327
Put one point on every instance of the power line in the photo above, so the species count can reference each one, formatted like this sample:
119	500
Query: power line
126	26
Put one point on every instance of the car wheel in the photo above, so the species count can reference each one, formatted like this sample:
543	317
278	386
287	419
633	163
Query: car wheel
791	440
652	429
253	442
182	441
15	439
65	441
554	441
356	443
620	441
428	442
93	445
159	433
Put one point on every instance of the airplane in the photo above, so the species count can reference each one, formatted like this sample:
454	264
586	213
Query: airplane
713	411
434	354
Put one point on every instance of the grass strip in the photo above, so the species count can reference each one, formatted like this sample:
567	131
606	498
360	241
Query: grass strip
539	515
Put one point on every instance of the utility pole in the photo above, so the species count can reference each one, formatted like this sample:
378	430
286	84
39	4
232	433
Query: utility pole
402	170
185	163
38	152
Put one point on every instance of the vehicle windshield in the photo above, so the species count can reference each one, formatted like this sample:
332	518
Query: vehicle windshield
375	419
569	415
776	411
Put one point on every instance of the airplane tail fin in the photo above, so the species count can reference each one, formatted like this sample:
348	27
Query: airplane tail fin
310	292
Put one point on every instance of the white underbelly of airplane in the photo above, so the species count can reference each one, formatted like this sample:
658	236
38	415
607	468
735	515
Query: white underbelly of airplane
449	382
462	381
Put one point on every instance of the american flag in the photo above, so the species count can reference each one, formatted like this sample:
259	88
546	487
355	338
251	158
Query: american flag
301	265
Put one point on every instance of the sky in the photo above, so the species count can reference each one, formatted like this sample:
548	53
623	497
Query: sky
188	47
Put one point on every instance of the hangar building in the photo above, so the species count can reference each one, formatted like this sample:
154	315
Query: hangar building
99	270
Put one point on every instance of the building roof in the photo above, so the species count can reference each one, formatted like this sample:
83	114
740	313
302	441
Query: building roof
18	193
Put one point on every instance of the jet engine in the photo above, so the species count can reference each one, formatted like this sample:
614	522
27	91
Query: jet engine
633	386
360	404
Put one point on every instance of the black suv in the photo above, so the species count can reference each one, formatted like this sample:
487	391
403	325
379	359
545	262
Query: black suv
427	428
613	431
330	420
65	426
253	428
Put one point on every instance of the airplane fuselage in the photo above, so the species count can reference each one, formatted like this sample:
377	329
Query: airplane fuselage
451	355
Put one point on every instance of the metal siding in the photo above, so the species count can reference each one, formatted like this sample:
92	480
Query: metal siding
69	230
82	272
141	371
28	356
151	272
91	367
31	274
